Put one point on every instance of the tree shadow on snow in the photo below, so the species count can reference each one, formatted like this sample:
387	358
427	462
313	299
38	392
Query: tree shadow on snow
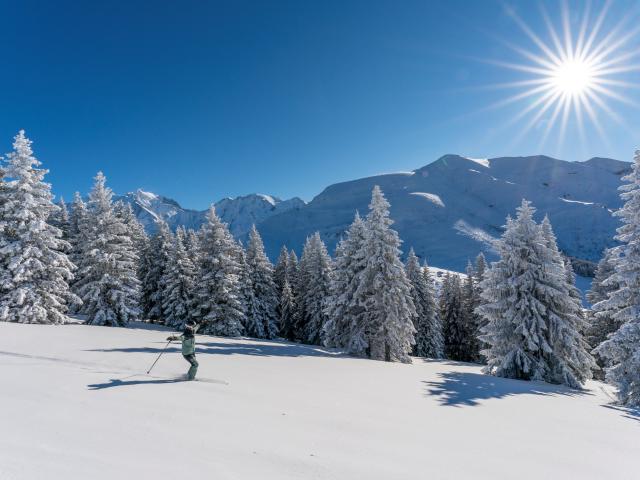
116	382
630	413
457	389
272	348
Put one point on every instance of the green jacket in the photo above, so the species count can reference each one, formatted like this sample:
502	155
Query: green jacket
188	344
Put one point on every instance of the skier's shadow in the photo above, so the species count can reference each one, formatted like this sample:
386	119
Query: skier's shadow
456	389
117	382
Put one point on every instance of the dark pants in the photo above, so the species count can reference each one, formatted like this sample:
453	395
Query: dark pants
194	365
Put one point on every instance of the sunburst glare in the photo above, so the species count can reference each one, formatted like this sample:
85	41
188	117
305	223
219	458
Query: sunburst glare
574	76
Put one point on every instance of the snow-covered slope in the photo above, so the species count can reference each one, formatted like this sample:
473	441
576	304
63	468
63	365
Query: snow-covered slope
448	211
454	207
77	405
240	212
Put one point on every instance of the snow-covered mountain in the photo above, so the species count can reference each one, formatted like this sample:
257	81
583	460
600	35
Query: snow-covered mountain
454	207
448	211
240	213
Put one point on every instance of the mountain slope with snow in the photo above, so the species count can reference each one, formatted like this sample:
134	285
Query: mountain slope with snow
448	211
454	207
76	404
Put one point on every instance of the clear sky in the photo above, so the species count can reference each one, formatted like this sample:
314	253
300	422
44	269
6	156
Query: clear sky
198	100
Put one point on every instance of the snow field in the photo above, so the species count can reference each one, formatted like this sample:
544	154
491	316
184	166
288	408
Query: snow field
76	404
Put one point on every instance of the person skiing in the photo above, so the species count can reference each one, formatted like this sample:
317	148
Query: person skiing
188	339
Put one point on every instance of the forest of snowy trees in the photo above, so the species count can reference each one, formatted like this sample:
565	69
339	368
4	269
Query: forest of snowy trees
521	316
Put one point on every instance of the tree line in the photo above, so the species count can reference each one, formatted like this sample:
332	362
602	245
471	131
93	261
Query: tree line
521	315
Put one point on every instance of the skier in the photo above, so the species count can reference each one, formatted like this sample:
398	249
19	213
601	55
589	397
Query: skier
188	347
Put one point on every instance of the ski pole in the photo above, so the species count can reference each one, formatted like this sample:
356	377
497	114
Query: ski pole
154	363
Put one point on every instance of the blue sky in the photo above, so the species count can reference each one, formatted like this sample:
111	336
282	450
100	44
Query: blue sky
200	100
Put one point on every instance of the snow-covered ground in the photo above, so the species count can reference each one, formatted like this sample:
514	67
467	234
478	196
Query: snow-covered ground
76	404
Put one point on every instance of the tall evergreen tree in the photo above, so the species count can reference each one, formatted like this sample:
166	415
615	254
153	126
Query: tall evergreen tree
622	349
156	257
288	312
34	269
218	298
429	340
601	323
453	319
262	321
135	228
385	291
177	283
471	320
107	280
280	271
313	289
344	326
59	218
533	329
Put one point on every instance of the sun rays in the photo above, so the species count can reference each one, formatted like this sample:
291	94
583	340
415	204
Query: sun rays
575	75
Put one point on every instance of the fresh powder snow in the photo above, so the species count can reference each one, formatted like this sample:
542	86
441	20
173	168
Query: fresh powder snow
77	404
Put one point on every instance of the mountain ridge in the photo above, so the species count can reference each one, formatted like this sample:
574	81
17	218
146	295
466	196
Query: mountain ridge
448	210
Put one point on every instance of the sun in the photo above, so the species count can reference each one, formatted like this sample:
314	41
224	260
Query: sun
573	77
571	74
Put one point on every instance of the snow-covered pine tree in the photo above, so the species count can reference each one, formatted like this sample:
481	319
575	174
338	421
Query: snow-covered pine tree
293	268
565	264
107	280
602	323
156	256
431	338
60	219
218	302
261	321
454	324
177	283
313	289
288	312
471	320
622	349
136	230
280	271
345	325
533	324
481	266
77	222
34	269
429	342
385	291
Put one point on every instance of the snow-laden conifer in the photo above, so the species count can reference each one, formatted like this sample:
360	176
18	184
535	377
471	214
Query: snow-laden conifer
429	341
59	218
455	328
281	268
288	312
313	289
471	320
345	324
177	283
107	273
34	269
601	323
156	256
622	349
218	302
261	320
384	290
533	324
